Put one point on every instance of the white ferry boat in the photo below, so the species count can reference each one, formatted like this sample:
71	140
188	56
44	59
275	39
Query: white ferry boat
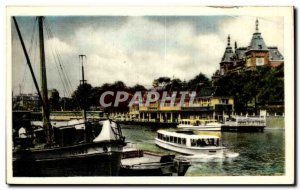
246	121
199	125
190	144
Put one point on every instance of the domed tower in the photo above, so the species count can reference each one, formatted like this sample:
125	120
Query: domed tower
257	53
227	59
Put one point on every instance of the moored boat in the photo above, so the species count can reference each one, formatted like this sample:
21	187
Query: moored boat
199	125
245	121
100	157
190	144
137	162
74	149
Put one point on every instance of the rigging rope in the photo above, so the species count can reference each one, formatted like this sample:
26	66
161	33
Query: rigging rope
55	60
63	75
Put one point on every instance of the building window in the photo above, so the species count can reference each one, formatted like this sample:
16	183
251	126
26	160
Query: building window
224	101
222	71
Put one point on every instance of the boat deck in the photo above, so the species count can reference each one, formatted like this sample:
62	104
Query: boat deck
146	159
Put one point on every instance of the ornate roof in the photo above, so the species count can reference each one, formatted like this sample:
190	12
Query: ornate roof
257	42
274	54
240	52
228	54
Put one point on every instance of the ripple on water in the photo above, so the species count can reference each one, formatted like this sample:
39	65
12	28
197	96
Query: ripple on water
259	153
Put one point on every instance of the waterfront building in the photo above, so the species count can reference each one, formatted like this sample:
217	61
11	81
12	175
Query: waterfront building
209	103
31	101
26	102
257	54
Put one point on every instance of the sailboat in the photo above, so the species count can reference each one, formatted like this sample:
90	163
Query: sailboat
59	153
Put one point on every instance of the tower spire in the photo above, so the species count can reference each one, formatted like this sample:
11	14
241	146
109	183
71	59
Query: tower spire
228	40
235	45
256	23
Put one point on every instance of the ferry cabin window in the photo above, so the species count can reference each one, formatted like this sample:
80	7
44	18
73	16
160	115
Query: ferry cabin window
204	142
193	142
171	139
179	140
159	136
175	139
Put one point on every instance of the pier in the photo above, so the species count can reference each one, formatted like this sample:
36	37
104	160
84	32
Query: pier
225	128
228	128
151	123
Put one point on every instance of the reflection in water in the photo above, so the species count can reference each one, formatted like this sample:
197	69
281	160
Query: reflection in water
260	153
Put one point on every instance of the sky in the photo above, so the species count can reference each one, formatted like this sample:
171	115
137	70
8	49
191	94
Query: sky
133	49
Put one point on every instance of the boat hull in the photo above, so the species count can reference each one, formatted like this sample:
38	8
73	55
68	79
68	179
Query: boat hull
207	151
81	160
156	165
159	170
200	127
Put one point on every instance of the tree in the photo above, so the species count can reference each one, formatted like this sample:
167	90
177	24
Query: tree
262	86
68	104
82	95
137	87
161	81
197	81
174	85
54	99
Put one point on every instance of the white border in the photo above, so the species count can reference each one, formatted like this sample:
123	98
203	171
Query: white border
286	12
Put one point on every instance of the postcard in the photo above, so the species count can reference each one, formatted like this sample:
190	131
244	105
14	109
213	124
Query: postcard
150	95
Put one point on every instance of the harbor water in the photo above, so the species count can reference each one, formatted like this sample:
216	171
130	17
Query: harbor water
260	153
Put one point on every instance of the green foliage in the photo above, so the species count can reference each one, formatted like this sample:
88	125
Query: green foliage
254	87
54	100
69	104
199	81
86	95
82	95
161	81
176	84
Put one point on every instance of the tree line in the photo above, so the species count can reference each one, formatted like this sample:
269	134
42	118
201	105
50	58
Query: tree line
251	90
88	96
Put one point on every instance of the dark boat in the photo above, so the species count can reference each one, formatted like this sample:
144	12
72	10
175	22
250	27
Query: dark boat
80	148
137	162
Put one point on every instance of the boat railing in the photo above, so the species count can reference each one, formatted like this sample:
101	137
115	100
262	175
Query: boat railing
247	121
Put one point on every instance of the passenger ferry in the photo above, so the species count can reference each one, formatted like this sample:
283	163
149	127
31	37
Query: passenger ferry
245	121
190	144
199	125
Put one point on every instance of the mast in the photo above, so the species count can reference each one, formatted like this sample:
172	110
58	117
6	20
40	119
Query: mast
46	121
45	110
82	82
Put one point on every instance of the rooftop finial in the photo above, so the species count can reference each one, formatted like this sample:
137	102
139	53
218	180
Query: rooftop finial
256	25
228	39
